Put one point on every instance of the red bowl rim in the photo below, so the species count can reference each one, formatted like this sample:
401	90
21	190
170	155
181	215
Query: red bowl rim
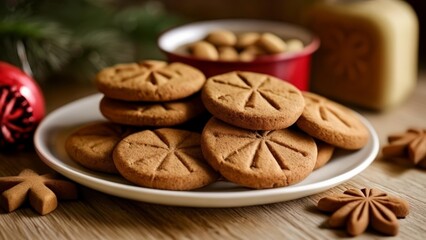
307	50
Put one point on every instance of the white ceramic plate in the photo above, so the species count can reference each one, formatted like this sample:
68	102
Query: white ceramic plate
51	134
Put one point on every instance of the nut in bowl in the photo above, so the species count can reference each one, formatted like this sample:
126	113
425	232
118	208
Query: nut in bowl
291	65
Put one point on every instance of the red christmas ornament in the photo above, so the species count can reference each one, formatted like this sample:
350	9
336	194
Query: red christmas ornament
21	106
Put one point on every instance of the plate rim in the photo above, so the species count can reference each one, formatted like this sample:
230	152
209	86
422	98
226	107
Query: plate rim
209	198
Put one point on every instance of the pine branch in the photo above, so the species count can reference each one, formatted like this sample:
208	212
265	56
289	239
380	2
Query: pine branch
48	46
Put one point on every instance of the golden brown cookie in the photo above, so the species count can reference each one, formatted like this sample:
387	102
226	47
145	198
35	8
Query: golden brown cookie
149	81
325	152
92	145
164	159
252	100
152	114
204	50
258	159
332	123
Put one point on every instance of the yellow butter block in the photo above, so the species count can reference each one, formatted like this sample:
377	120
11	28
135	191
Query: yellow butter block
368	53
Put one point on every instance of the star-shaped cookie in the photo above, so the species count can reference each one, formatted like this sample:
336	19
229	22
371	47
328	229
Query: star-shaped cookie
42	191
410	145
358	208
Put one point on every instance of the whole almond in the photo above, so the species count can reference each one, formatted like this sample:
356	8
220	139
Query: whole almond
227	54
222	38
247	39
204	50
272	43
294	45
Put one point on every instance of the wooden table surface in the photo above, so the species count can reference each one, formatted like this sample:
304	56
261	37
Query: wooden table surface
96	215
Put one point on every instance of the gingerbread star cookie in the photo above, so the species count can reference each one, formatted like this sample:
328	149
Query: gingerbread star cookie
358	208
42	191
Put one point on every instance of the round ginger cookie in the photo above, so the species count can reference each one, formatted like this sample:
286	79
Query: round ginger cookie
258	159
151	114
324	154
150	81
164	159
252	100
332	123
92	145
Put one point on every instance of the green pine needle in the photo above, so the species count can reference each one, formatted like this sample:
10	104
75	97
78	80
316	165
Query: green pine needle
47	45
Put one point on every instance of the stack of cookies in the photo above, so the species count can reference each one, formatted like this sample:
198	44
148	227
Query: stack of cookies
149	95
252	140
264	132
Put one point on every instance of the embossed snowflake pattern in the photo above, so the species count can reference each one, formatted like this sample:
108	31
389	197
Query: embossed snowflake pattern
155	108
261	141
109	133
410	145
346	53
359	208
41	190
167	151
154	72
258	158
327	111
254	91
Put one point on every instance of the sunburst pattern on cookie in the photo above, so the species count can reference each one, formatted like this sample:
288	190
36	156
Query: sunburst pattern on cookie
258	159
154	107
164	158
260	141
167	151
255	92
109	132
152	72
326	111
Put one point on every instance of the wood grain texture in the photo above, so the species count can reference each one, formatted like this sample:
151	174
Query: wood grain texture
99	216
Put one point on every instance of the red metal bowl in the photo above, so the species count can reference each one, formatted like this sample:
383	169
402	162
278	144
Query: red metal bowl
291	67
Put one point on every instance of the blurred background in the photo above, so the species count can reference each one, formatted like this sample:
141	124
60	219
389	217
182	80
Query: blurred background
72	39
